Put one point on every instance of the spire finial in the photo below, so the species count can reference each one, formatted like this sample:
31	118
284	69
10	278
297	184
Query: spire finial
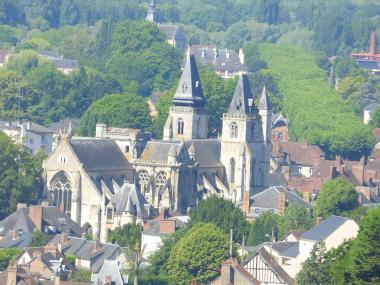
264	101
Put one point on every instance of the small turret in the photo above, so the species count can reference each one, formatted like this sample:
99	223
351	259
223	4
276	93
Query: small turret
152	12
265	111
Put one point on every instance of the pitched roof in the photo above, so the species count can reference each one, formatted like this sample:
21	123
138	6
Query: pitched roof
264	101
63	125
240	103
325	229
84	249
21	221
171	31
272	263
371	107
269	198
189	91
301	152
99	154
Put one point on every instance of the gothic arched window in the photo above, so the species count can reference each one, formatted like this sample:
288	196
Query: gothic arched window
232	170
234	130
180	126
62	192
161	181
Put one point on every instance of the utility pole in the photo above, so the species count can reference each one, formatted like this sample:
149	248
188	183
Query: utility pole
231	236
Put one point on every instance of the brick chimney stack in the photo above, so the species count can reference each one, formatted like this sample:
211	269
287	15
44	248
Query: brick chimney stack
35	214
14	234
97	245
281	203
246	203
319	220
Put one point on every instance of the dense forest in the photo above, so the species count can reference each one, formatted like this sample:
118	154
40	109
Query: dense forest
123	56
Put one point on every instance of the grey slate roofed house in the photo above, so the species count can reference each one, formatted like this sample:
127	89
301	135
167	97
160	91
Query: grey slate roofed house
326	228
226	63
63	64
275	199
89	254
16	229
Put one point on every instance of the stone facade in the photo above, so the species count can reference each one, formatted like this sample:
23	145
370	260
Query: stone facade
102	185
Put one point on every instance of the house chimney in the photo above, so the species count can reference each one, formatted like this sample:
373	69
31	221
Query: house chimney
97	245
281	203
14	234
64	238
227	273
246	203
35	214
101	130
358	172
319	220
12	275
372	47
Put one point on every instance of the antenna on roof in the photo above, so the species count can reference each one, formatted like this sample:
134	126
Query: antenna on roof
231	235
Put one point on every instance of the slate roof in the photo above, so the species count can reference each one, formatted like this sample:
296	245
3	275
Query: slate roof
189	91
264	101
240	103
371	107
221	59
63	125
20	220
279	121
207	151
58	60
272	263
171	31
84	249
368	64
325	229
129	199
30	126
99	154
269	198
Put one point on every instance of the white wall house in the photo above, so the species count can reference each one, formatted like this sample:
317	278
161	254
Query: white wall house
31	135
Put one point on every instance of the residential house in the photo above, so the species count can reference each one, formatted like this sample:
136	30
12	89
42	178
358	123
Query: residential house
264	267
280	130
23	275
47	261
32	136
110	273
333	232
60	63
16	229
174	34
232	273
226	63
88	254
275	199
154	230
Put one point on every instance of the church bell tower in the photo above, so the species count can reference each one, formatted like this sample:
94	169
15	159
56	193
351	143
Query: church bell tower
187	118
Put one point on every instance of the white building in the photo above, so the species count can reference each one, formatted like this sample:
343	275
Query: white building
31	135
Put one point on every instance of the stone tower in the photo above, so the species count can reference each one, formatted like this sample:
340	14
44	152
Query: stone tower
152	12
187	118
243	151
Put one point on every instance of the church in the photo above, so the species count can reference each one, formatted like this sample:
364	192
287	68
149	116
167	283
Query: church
104	183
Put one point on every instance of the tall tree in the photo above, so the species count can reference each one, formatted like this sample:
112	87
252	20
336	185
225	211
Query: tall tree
336	197
20	176
222	213
262	228
198	254
295	218
375	118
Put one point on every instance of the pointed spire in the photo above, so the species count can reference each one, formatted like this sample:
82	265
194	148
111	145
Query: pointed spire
264	101
152	12
242	102
189	91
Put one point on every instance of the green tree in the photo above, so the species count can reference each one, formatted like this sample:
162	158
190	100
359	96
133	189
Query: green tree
375	118
315	270
222	213
81	275
365	250
197	255
261	229
336	197
7	256
37	239
117	110
295	218
129	238
20	176
158	261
